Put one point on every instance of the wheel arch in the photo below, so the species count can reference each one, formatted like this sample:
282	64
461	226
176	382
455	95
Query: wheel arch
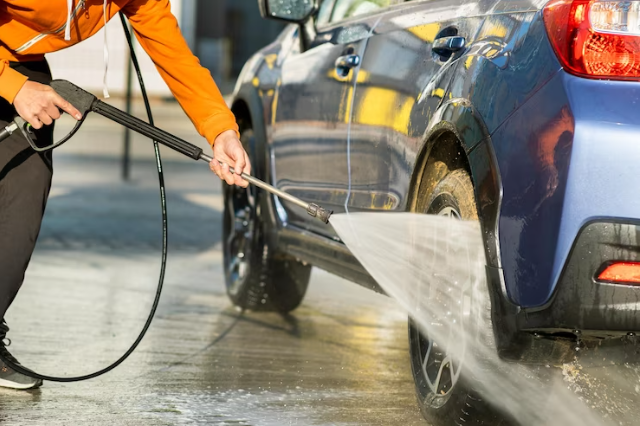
458	138
248	108
242	113
443	151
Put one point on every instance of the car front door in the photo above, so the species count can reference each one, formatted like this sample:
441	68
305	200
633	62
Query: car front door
312	110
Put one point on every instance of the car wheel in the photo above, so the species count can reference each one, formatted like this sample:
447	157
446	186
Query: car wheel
257	277
444	388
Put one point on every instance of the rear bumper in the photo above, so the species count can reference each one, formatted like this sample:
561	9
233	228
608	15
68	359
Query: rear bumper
595	322
583	304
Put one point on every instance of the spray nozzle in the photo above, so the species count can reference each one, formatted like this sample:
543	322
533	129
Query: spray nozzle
315	210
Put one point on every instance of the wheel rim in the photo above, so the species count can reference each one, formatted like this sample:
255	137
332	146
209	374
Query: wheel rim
440	369
449	211
239	227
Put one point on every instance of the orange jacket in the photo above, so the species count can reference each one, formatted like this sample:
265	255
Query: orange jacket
31	28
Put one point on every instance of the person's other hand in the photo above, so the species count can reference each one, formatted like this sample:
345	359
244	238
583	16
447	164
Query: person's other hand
38	105
228	150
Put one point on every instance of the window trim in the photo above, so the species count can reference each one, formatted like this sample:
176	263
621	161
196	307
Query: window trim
353	19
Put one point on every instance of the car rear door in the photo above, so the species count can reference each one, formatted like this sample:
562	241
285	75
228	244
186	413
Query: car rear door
311	113
401	82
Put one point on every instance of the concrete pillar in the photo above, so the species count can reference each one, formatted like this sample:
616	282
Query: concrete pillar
213	47
188	22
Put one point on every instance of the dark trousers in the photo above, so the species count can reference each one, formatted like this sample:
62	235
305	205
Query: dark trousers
25	179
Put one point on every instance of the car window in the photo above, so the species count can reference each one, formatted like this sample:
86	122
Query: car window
345	9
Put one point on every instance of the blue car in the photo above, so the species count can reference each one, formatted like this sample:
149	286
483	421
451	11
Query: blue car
522	114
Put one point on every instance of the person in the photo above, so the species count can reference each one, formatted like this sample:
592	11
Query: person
29	29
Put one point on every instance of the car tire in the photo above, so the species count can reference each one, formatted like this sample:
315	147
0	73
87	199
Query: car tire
257	277
448	397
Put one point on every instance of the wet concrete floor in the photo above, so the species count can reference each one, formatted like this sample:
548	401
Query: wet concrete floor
340	359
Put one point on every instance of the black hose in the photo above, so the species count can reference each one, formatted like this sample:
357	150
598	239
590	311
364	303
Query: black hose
165	228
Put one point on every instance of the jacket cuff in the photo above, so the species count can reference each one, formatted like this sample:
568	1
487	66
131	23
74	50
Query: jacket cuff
11	81
218	124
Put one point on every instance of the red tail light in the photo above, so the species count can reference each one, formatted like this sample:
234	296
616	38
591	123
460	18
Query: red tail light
597	39
621	273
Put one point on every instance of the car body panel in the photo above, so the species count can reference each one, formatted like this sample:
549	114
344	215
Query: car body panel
533	156
401	84
310	126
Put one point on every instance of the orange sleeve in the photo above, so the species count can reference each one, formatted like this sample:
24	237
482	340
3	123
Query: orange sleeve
159	35
11	81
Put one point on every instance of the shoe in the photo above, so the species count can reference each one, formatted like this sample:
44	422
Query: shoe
9	378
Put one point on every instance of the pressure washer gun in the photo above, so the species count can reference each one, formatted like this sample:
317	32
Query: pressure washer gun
85	102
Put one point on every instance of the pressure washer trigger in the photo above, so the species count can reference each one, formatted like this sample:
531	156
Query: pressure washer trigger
27	130
82	100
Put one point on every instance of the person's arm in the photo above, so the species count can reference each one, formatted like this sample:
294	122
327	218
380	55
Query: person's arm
11	81
158	33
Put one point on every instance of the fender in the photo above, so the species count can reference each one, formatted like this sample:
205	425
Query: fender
488	192
458	117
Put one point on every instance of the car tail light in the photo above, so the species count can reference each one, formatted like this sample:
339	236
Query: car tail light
597	39
621	273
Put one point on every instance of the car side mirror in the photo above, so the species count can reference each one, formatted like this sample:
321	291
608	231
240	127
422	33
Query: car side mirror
297	11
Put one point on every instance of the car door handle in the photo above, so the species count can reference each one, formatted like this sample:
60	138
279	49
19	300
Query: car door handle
445	46
345	63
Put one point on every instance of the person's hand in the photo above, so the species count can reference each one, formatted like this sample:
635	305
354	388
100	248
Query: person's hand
228	150
38	105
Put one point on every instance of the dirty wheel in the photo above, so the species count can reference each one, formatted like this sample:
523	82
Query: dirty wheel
257	277
444	386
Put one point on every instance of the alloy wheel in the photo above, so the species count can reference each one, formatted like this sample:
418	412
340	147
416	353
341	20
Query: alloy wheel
441	360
